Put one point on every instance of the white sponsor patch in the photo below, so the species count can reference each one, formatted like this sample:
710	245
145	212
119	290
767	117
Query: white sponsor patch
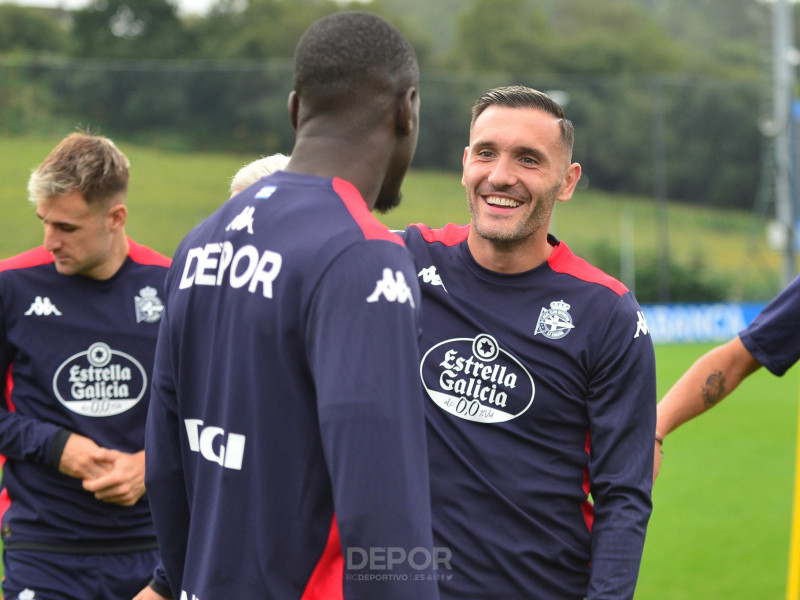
100	382
476	380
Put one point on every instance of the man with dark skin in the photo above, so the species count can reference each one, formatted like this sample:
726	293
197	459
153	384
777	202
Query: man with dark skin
286	452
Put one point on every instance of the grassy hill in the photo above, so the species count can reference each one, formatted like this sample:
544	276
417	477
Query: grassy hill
172	192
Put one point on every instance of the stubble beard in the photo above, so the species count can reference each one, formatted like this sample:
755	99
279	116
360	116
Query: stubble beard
523	229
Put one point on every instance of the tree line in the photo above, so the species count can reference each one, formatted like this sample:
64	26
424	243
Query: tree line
664	93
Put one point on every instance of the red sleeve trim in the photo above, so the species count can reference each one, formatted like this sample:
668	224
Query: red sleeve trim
145	256
449	235
587	508
31	258
562	260
354	201
326	582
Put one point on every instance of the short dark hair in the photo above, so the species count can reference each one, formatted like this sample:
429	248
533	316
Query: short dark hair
90	164
519	96
351	51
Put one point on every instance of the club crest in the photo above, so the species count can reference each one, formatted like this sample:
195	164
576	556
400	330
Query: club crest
148	305
555	322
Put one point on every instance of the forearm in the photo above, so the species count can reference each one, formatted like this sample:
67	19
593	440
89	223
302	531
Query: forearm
710	379
616	556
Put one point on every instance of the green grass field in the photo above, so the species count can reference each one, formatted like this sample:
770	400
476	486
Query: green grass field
720	528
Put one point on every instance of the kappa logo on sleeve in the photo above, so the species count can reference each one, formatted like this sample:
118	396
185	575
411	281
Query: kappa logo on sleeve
244	220
431	276
392	287
641	325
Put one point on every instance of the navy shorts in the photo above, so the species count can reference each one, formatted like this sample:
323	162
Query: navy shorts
36	575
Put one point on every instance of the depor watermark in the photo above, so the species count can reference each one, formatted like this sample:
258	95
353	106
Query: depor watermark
389	558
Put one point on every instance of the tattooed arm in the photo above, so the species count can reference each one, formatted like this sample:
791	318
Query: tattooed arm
712	377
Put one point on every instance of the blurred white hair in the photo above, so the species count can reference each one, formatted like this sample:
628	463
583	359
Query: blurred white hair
252	172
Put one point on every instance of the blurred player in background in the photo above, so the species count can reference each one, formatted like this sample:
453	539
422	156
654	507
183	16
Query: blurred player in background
540	373
772	340
79	318
286	452
252	172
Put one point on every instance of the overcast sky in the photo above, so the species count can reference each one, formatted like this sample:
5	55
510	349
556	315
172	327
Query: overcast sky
185	6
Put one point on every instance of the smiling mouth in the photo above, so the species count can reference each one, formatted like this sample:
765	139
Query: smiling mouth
504	202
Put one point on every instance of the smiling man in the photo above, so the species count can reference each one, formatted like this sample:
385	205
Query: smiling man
540	374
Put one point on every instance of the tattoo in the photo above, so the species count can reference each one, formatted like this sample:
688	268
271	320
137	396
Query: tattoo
714	389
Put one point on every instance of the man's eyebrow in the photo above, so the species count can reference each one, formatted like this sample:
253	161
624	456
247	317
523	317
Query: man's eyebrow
517	150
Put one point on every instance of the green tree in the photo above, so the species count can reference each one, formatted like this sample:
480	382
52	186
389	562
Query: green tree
238	29
511	36
612	37
130	29
29	30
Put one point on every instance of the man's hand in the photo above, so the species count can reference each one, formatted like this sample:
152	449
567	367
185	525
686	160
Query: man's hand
77	459
123	480
149	593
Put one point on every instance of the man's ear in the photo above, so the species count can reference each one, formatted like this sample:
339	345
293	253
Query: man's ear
118	214
571	178
294	109
408	111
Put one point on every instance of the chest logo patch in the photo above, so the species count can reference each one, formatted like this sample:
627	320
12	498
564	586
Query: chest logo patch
555	322
148	305
100	382
42	307
476	380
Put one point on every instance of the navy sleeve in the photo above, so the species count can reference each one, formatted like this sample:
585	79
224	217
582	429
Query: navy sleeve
622	412
773	337
363	350
21	437
164	480
159	584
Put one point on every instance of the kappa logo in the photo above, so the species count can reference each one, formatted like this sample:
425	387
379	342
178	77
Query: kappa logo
148	305
42	307
393	287
641	325
27	594
431	276
555	322
243	220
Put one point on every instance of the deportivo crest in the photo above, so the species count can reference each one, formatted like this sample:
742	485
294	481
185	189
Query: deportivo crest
476	380
100	381
555	322
148	305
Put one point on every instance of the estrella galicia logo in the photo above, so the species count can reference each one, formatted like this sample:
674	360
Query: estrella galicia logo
100	382
475	379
